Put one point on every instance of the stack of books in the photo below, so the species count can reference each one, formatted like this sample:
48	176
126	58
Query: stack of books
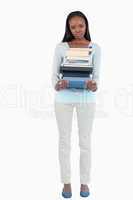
77	66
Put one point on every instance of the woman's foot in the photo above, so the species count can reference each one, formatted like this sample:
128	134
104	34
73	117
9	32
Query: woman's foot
66	192
67	188
84	190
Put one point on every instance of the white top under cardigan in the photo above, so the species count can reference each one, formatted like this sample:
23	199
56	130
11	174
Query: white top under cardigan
72	95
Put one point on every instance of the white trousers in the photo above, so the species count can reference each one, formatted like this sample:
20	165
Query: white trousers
85	115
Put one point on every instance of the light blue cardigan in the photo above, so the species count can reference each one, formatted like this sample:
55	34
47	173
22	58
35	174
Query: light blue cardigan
74	95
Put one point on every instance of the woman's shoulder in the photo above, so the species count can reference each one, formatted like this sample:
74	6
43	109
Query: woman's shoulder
61	47
95	45
61	44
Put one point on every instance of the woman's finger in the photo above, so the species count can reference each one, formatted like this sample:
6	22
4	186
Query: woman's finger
65	83
93	83
94	88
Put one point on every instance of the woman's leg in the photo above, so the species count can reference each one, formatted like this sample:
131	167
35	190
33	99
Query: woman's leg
64	113
85	116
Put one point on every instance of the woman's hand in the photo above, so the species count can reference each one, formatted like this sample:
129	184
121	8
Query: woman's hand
92	85
61	84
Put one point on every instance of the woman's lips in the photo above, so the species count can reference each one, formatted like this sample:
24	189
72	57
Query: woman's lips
78	34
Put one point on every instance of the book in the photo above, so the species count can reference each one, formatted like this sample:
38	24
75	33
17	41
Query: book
78	52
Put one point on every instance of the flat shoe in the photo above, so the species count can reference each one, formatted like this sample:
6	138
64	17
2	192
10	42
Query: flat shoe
84	194
66	194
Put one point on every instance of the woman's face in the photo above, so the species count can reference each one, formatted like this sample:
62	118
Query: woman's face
77	26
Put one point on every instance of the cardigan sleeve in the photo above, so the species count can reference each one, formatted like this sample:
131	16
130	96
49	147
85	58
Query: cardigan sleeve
57	59
97	62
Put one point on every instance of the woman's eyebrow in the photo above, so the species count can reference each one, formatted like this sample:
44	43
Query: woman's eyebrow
75	25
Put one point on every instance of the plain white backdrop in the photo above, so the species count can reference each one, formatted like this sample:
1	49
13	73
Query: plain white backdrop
29	32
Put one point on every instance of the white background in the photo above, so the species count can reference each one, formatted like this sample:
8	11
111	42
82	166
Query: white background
29	32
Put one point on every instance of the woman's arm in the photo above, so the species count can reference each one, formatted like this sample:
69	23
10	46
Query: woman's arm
57	59
96	61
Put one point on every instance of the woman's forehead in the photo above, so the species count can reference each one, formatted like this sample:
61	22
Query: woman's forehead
76	19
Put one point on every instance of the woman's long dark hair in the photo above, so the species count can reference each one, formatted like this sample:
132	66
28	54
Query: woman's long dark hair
68	36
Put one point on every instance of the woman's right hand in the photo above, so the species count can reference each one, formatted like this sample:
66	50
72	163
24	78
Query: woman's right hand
61	84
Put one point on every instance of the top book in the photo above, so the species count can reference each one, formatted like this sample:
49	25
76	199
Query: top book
78	52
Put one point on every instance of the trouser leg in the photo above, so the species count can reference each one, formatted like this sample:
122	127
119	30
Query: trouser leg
64	113
85	116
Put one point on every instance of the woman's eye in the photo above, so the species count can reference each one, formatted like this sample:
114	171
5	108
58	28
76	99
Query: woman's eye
72	27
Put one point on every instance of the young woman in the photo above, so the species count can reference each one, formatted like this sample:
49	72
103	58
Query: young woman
83	100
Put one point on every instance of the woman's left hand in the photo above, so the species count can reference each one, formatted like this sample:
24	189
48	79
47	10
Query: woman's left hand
92	85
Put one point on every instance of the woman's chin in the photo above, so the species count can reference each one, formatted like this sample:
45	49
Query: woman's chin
78	37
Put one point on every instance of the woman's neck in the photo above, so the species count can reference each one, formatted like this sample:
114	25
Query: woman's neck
79	40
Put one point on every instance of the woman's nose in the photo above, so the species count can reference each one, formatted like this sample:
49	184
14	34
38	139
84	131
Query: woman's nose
77	31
